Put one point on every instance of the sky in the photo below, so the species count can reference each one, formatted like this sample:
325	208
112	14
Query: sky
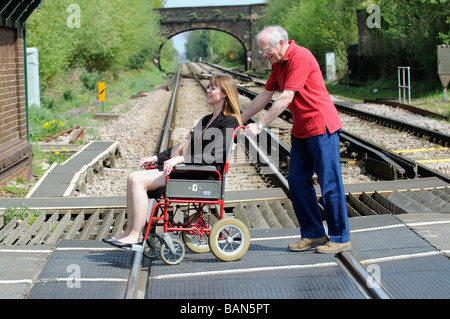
179	40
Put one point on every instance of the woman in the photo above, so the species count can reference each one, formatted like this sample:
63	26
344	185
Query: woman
206	145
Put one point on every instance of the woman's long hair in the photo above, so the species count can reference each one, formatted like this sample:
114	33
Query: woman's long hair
229	87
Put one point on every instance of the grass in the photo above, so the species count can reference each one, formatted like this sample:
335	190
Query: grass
19	188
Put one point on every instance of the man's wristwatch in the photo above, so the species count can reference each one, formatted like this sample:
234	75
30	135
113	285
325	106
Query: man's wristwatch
260	126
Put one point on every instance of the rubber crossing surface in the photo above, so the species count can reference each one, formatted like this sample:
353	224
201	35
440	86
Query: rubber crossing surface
404	264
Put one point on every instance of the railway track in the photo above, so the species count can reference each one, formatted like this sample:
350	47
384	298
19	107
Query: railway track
413	169
106	221
94	223
174	130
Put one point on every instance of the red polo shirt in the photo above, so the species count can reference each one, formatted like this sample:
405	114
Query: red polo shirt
312	109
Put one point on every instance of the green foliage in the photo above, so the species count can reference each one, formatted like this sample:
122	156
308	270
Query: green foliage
168	54
214	46
410	31
321	26
16	188
21	213
69	95
110	36
48	102
53	127
45	122
90	79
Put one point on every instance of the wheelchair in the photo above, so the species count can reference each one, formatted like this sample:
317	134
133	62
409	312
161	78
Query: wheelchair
186	207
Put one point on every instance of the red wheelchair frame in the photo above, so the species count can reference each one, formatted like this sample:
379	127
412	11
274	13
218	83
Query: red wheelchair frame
228	239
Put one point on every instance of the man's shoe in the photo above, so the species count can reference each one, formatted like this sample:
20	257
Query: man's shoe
333	248
307	243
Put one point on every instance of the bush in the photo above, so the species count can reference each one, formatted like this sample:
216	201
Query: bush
69	95
48	102
90	80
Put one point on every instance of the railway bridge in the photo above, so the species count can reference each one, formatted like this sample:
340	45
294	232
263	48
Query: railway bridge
238	21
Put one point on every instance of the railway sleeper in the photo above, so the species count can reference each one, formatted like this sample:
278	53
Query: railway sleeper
94	224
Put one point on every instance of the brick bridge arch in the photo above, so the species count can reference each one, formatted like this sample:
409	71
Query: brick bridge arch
238	21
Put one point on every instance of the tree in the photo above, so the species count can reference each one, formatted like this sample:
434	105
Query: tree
224	47
109	35
410	33
321	26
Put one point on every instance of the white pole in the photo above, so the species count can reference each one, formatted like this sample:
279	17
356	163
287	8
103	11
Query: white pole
409	85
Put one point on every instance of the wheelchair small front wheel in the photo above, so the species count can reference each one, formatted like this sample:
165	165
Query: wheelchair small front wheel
153	249
229	239
172	258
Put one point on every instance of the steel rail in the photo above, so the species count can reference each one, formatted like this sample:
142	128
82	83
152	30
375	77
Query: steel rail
349	261
400	164
241	76
363	276
407	107
434	136
136	267
405	166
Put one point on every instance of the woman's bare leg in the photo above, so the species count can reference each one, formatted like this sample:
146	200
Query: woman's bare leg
138	184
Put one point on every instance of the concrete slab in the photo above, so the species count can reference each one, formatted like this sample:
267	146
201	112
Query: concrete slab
20	267
84	269
434	228
408	267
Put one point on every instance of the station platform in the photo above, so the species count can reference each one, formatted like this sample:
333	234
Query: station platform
407	266
62	180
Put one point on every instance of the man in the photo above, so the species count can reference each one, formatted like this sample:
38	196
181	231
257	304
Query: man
314	138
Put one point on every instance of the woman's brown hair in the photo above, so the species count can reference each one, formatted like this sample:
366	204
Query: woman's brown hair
229	87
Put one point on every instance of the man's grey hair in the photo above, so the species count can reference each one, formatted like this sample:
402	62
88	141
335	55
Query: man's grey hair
275	33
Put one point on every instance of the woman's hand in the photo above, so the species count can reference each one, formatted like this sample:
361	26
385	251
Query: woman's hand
146	162
171	163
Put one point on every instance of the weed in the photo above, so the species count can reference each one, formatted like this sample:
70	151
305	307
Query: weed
21	213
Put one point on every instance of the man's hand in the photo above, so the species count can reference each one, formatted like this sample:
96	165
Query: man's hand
252	130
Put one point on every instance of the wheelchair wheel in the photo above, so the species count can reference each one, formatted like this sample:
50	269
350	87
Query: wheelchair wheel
172	258
196	243
153	249
229	239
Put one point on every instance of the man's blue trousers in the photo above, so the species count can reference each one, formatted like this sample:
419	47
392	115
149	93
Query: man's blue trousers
318	154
